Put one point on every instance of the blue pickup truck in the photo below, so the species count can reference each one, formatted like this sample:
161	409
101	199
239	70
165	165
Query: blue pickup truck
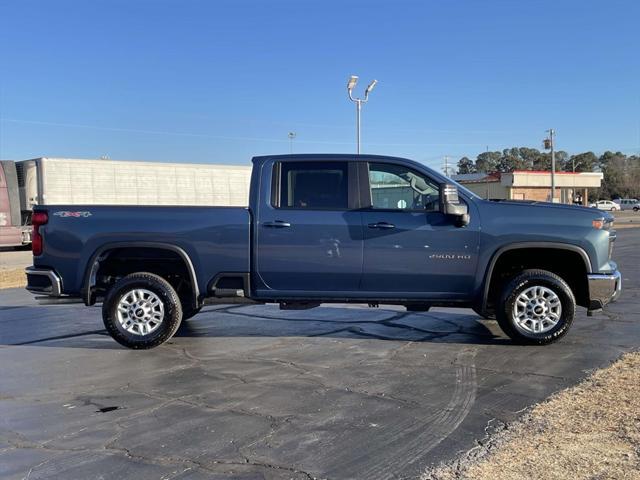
330	228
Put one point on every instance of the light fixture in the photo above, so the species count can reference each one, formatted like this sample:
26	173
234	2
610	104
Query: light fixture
370	87
352	82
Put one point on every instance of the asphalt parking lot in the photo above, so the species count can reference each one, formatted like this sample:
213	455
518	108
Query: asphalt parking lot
252	392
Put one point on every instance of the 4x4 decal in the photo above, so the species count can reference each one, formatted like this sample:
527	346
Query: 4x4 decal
65	214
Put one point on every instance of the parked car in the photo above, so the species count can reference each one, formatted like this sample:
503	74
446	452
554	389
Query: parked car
330	228
607	205
628	204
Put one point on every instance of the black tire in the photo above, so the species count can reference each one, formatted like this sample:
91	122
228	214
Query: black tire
511	291
635	209
164	292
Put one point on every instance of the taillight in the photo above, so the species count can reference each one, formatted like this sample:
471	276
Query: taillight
37	219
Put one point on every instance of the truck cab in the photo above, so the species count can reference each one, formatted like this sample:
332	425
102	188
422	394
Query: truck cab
359	227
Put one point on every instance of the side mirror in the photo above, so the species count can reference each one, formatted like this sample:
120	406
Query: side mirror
451	204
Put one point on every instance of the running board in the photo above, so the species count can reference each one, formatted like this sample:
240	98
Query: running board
298	305
228	292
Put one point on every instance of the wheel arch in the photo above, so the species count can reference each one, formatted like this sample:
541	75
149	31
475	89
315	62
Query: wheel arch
103	252
523	247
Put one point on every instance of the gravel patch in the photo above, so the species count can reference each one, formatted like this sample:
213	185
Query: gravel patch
12	278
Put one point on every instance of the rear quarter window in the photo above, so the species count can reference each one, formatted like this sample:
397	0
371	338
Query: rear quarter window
314	185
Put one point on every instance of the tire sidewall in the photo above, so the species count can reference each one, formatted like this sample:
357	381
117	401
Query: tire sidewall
168	297
521	283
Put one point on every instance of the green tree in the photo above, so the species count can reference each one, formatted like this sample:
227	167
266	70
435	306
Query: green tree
531	158
583	162
614	169
513	159
543	162
487	162
465	165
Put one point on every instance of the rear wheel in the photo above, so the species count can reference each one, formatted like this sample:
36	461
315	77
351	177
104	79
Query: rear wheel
142	311
536	307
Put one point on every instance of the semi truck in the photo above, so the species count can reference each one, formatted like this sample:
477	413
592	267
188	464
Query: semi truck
52	181
330	228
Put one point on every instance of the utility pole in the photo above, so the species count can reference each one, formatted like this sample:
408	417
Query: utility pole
486	178
446	165
292	136
359	101
549	144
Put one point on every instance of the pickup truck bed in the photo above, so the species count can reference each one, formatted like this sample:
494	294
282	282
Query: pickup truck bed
211	239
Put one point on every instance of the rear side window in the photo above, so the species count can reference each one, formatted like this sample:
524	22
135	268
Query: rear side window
314	185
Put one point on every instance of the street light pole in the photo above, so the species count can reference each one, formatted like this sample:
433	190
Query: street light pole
291	136
549	143
574	164
359	101
358	116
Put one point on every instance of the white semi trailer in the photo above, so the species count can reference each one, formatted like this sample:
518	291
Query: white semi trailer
69	181
51	181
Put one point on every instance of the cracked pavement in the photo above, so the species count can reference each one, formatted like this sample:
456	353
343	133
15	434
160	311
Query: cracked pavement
253	392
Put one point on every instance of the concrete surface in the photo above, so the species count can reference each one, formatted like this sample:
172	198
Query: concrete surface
626	219
251	392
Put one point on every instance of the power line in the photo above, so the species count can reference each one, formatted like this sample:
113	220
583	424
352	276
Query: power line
224	137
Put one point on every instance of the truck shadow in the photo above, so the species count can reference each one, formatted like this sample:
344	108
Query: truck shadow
343	322
75	326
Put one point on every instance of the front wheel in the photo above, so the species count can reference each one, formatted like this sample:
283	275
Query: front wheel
141	311
536	307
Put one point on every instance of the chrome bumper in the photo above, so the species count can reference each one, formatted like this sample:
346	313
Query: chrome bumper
43	281
603	288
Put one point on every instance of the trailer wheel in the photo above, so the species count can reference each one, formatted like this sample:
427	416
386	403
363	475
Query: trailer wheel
141	311
536	307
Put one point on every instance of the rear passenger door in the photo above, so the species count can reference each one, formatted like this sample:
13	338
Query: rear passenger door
308	231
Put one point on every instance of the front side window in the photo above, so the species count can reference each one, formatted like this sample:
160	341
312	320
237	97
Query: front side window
394	187
314	185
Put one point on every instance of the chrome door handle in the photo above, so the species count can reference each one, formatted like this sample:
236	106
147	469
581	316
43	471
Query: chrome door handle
382	225
277	224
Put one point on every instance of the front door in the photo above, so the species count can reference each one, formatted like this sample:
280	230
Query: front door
411	249
309	235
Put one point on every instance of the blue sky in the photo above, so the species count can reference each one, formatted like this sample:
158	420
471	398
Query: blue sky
207	81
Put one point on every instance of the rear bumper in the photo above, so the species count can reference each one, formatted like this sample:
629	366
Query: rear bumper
43	281
603	289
